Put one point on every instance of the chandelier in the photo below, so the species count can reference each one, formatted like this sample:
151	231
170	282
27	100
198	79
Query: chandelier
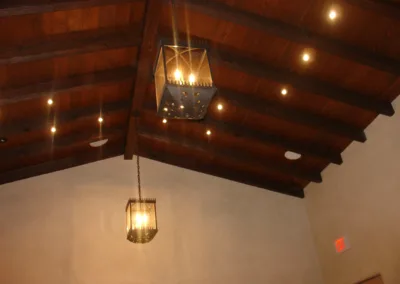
141	215
183	81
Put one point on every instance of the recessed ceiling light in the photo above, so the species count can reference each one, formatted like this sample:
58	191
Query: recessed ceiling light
164	120
49	102
306	57
220	107
53	129
332	15
98	143
284	92
292	155
3	139
208	132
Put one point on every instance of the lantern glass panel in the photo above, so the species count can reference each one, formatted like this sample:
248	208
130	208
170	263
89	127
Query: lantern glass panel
187	66
142	224
184	84
159	75
128	219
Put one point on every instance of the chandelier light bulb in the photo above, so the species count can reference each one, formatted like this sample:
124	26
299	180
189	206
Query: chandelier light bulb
164	121
100	119
220	107
178	75
192	79
141	220
53	129
49	102
208	132
284	92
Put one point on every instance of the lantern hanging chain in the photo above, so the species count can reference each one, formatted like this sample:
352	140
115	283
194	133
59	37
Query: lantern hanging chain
137	160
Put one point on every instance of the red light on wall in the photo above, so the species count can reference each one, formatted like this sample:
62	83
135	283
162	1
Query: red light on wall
341	245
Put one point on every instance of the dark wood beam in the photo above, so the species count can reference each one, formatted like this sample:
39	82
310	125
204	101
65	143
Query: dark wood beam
210	168
24	7
29	92
387	8
87	155
301	82
317	151
82	136
270	108
147	55
296	34
224	153
36	124
72	44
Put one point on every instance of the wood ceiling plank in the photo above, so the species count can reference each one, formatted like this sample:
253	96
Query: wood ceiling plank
72	44
301	82
321	152
386	8
226	153
87	155
34	91
147	54
83	136
37	124
211	168
316	151
295	34
277	110
25	7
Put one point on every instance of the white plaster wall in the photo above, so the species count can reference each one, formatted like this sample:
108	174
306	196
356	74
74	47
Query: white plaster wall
68	228
361	199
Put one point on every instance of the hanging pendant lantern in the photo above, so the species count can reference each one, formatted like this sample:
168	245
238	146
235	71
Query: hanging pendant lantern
183	81
141	214
141	220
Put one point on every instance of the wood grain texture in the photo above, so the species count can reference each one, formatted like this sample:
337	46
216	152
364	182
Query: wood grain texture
210	168
43	89
227	154
293	33
302	82
25	7
147	55
72	44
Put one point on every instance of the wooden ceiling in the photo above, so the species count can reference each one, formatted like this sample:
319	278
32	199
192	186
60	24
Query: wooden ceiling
95	58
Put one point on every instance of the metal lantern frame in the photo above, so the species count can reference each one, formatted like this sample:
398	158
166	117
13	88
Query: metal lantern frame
143	234
182	99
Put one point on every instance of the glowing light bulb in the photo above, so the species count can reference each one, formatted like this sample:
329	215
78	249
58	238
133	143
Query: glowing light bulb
100	119
220	107
49	102
164	120
178	74
284	92
332	14
306	57
192	79
53	129
141	220
208	132
165	109
182	106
